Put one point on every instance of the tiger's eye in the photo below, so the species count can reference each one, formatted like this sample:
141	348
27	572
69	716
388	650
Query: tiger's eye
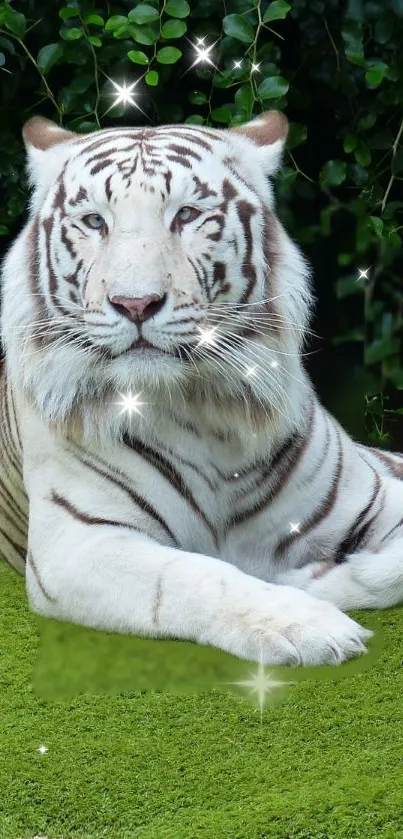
188	213
94	221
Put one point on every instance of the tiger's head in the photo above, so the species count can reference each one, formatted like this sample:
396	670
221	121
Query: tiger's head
152	259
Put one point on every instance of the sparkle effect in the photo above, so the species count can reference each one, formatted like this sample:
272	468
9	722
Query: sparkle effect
363	274
202	52
255	68
207	335
260	684
294	528
124	93
43	750
250	371
274	364
130	403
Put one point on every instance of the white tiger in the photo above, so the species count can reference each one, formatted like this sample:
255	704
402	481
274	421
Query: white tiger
229	508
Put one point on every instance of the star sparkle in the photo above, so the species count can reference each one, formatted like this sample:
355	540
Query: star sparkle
255	68
260	684
207	335
294	528
250	371
274	364
237	65
43	750
130	403
362	274
124	93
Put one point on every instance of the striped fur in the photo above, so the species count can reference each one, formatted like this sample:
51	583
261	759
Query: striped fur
233	510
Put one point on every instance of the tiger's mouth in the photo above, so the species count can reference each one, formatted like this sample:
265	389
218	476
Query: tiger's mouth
143	344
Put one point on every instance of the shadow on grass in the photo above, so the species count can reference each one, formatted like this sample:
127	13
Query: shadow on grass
75	660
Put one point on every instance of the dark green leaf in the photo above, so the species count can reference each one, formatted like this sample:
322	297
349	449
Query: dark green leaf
72	33
362	154
173	29
195	119
177	8
168	55
375	73
143	14
238	27
277	10
138	57
97	20
381	348
143	34
15	22
375	224
197	97
244	99
68	12
383	29
297	134
350	142
115	21
272	88
48	56
333	173
354	47
223	114
151	78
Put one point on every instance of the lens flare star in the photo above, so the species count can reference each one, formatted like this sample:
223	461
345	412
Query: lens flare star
207	335
130	403
42	750
363	274
250	371
260	684
124	94
202	53
255	68
294	528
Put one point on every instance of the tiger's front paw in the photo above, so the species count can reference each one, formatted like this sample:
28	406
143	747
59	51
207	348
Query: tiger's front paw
279	624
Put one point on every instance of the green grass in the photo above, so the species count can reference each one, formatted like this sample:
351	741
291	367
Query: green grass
145	743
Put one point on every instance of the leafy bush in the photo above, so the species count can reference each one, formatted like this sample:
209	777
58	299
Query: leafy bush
335	67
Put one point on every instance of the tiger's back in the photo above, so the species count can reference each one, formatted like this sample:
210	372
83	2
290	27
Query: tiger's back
13	498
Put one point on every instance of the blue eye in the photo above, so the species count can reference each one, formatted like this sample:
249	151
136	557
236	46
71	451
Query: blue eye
94	221
188	214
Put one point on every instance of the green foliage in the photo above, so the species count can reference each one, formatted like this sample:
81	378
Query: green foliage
335	68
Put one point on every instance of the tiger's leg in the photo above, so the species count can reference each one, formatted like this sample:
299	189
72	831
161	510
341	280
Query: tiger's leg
365	580
85	568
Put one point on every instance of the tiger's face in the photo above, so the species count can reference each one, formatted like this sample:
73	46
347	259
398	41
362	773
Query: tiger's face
154	253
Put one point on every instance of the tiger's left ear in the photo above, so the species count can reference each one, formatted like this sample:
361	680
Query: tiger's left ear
48	147
268	132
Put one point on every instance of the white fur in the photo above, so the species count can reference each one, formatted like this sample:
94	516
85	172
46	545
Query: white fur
236	596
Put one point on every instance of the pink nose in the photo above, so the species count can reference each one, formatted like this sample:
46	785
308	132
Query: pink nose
138	308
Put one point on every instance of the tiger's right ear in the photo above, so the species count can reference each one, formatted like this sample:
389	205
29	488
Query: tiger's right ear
47	148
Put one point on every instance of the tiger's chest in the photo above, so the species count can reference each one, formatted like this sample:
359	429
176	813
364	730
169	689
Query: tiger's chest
214	497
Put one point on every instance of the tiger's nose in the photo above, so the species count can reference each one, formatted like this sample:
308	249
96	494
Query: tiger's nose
138	308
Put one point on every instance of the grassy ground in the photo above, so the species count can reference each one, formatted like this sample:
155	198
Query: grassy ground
144	742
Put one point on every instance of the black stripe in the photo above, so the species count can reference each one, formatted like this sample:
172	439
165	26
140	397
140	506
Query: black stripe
282	465
85	517
166	468
358	531
389	533
321	513
83	457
